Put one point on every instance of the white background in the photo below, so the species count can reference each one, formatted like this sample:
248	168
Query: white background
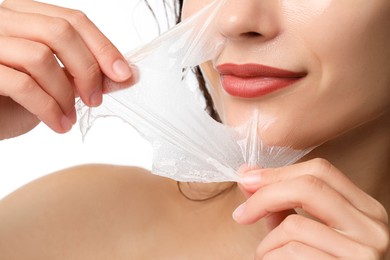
42	151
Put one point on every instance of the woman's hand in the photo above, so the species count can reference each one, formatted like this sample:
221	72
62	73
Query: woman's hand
33	85
342	221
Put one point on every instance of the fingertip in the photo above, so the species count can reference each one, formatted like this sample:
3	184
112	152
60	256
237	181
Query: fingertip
68	120
251	181
111	86
239	212
73	116
121	70
66	124
96	97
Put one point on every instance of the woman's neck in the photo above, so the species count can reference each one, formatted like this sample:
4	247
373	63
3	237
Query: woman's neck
364	156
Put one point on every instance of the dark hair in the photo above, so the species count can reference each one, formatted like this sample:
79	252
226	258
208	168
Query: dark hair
210	109
199	76
177	6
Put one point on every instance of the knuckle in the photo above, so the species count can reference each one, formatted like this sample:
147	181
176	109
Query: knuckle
106	48
93	71
293	248
41	56
292	225
321	166
91	78
77	18
61	30
23	85
311	183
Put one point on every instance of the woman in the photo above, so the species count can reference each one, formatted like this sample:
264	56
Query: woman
328	64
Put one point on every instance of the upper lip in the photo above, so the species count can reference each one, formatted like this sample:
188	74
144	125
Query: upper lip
256	70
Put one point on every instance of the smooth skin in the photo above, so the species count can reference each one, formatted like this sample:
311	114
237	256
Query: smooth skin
349	223
342	106
330	208
110	212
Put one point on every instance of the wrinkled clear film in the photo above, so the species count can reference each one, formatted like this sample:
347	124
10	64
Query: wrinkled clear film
188	145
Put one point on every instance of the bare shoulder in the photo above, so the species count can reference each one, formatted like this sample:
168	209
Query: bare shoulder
80	210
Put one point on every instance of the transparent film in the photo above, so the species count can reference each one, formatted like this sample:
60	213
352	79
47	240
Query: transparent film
164	107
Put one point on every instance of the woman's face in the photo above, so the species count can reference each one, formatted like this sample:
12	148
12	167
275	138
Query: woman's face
329	59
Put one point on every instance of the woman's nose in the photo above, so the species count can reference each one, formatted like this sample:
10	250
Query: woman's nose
238	19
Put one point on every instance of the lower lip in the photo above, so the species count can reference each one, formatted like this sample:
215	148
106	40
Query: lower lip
252	87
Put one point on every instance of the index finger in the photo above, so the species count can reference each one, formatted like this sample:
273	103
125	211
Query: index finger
110	60
326	172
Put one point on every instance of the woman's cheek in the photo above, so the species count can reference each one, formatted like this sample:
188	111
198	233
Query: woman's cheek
349	72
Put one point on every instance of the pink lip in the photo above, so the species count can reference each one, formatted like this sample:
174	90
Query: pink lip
254	80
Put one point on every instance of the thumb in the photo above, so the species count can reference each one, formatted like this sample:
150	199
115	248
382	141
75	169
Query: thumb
112	86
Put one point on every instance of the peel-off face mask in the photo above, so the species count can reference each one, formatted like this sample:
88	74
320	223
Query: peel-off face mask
188	145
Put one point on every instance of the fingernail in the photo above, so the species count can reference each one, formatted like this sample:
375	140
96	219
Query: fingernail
96	98
239	211
121	69
250	179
